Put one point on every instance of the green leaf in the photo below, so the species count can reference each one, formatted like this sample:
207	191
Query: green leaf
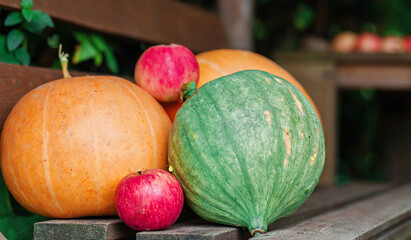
43	18
6	56
53	41
99	42
14	39
85	51
34	26
98	59
13	19
23	56
27	3
27	14
303	17
111	61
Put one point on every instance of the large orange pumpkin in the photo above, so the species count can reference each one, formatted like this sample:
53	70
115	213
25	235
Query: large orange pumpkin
67	144
217	63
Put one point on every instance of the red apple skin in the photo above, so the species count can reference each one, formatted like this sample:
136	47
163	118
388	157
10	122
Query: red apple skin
368	43
407	40
163	69
150	201
344	42
393	44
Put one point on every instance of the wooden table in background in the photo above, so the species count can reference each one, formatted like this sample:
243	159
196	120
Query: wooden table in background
323	74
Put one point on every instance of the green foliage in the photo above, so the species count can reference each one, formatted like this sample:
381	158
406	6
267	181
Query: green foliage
303	17
94	47
14	47
14	39
13	19
12	225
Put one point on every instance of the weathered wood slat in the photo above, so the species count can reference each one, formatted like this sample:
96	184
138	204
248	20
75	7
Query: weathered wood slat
158	21
327	199
388	77
356	70
85	229
362	220
319	202
16	80
400	232
193	230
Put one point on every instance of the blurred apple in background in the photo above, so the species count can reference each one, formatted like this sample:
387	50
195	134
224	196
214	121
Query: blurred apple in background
368	43
407	40
344	42
393	44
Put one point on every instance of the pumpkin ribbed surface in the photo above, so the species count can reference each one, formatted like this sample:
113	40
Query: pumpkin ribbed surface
67	144
248	148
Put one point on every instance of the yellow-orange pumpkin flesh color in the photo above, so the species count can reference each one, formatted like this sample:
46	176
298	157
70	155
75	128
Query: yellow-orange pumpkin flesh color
221	62
67	144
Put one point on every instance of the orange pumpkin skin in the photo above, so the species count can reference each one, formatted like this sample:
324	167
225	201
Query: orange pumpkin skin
217	63
67	144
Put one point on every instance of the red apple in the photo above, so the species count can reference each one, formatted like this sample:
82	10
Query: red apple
407	40
149	200
393	44
368	43
162	71
344	42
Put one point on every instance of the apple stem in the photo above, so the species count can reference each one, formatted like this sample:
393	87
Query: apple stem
64	63
139	171
187	90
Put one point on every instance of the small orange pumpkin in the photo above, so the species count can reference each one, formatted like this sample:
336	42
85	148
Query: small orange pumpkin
66	144
217	63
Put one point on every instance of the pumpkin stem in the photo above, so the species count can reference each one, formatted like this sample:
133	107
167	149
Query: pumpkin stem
64	63
187	90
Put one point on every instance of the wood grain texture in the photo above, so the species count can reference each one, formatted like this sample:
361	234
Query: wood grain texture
387	76
17	80
237	17
361	220
157	21
192	230
400	232
327	199
320	201
73	229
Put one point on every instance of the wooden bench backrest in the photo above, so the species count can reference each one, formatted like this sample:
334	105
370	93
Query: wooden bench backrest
156	21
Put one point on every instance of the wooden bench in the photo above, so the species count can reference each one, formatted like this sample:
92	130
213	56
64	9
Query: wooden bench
355	211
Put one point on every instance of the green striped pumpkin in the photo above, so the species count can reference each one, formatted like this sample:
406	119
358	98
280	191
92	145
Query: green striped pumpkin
248	148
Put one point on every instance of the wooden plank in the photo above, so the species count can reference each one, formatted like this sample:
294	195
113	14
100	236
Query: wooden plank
157	21
237	17
362	220
327	199
380	76
320	201
193	230
17	80
2	237
343	58
85	229
400	232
